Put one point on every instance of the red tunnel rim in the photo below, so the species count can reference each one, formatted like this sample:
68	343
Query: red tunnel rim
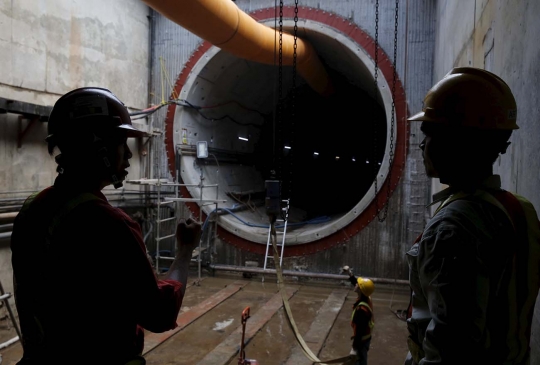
400	144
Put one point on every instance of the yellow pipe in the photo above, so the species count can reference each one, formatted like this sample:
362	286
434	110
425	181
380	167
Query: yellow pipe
226	26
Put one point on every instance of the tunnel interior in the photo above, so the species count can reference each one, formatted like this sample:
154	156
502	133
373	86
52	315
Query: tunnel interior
333	156
325	150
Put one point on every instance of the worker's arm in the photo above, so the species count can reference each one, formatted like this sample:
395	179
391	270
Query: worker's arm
172	287
347	270
188	234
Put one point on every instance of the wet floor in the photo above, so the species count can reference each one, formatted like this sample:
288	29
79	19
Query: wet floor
210	326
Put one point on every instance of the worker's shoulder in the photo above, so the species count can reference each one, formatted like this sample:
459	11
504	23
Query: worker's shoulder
92	207
100	204
468	218
526	204
466	209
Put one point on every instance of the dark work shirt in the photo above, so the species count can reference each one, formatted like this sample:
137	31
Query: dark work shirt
90	285
472	278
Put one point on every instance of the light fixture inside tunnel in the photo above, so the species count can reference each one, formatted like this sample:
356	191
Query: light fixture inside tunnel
202	149
342	125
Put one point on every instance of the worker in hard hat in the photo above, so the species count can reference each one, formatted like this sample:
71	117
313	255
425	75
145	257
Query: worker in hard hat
474	271
362	318
85	290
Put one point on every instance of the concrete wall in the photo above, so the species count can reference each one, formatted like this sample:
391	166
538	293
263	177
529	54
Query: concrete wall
48	48
501	36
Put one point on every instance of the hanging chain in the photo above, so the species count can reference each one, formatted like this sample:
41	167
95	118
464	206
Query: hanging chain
293	99
278	144
376	91
392	122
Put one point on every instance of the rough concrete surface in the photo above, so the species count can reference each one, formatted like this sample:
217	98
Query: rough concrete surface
211	328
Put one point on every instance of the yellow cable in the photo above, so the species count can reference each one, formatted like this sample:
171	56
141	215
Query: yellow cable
346	360
173	92
162	85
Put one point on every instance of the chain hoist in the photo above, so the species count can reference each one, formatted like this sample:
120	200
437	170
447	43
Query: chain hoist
375	91
293	103
291	120
392	121
272	193
278	141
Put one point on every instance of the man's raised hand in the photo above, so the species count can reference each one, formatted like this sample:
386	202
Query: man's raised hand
188	234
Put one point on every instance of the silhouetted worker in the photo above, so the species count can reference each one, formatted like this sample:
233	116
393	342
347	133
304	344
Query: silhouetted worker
474	271
84	287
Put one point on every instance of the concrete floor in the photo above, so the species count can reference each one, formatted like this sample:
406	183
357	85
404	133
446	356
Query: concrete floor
210	327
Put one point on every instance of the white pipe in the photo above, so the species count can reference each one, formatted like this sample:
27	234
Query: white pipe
302	273
9	342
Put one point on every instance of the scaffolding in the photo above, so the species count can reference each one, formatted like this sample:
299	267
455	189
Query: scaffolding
168	201
200	149
4	298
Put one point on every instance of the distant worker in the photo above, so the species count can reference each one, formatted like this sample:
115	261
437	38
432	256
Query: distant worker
362	318
474	271
85	290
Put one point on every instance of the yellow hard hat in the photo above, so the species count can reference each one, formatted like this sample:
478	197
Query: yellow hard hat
470	97
366	286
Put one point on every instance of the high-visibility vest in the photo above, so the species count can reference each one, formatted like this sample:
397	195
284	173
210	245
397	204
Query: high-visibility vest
371	322
525	264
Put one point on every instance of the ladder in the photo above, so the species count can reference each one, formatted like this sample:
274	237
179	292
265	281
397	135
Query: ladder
159	183
167	201
161	202
283	231
197	252
4	298
162	223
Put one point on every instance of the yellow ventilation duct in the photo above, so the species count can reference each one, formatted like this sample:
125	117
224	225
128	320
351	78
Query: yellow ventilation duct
226	26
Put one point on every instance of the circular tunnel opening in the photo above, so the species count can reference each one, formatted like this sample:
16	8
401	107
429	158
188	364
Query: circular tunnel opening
329	152
324	149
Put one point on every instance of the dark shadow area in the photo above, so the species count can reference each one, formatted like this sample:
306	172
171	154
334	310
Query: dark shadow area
336	144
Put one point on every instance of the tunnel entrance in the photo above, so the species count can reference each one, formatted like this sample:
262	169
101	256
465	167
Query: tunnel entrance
327	151
324	149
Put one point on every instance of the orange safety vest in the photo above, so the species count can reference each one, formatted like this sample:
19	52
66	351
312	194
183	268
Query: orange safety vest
371	323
